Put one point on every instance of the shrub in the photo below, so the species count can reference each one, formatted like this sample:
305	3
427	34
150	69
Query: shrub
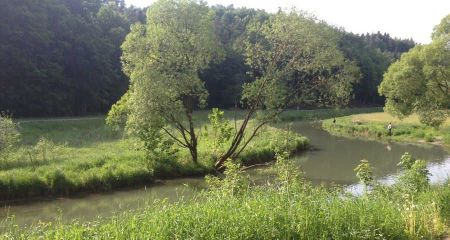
415	175
9	136
429	138
365	173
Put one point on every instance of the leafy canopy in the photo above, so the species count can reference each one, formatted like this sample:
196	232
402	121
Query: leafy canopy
420	81
295	58
163	58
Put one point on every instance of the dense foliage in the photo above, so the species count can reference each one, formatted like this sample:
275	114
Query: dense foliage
9	136
163	58
373	54
62	57
420	81
292	58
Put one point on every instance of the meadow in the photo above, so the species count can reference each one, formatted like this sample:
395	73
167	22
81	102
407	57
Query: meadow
63	156
374	126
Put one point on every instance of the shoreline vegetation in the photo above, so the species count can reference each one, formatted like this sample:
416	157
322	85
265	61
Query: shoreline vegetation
54	169
374	126
287	208
63	157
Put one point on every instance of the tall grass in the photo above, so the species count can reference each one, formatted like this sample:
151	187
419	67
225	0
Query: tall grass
286	208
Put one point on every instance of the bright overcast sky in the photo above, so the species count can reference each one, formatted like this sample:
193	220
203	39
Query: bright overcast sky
400	18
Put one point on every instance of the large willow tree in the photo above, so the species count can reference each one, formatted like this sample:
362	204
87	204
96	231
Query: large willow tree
420	81
163	58
293	58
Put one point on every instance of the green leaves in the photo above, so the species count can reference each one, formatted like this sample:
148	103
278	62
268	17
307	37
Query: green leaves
296	59
364	172
220	132
9	136
420	81
163	59
415	177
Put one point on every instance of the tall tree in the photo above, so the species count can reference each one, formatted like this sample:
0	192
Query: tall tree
293	59
420	81
163	58
61	57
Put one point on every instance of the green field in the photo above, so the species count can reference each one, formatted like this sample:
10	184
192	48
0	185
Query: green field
374	126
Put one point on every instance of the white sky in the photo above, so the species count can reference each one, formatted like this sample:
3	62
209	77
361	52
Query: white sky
400	18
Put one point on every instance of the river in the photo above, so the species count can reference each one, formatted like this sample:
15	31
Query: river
331	160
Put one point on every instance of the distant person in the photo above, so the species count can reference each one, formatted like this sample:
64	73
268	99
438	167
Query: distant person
334	121
389	128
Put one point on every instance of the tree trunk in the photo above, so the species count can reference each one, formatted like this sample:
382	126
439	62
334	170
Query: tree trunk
193	141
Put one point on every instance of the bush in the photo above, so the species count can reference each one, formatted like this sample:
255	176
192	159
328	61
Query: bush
9	136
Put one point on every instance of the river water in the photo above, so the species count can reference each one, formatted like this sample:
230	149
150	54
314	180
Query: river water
332	160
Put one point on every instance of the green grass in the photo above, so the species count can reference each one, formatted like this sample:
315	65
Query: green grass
374	126
85	156
285	209
319	114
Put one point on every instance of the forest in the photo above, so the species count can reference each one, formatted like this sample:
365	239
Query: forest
63	57
185	120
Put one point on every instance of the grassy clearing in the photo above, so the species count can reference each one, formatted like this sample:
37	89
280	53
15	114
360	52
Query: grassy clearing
288	208
319	114
83	155
86	156
373	125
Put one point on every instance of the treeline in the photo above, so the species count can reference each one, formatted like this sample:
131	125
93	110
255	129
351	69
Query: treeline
62	57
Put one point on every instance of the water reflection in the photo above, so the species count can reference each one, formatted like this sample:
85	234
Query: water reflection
85	208
336	157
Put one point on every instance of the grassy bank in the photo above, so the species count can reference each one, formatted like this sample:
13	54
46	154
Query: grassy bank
288	208
62	157
69	155
374	126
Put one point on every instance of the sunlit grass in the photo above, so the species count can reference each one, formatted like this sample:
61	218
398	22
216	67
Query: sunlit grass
85	155
92	157
374	126
386	118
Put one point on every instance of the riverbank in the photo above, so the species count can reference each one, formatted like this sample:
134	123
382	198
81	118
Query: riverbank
289	208
55	169
374	126
66	156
